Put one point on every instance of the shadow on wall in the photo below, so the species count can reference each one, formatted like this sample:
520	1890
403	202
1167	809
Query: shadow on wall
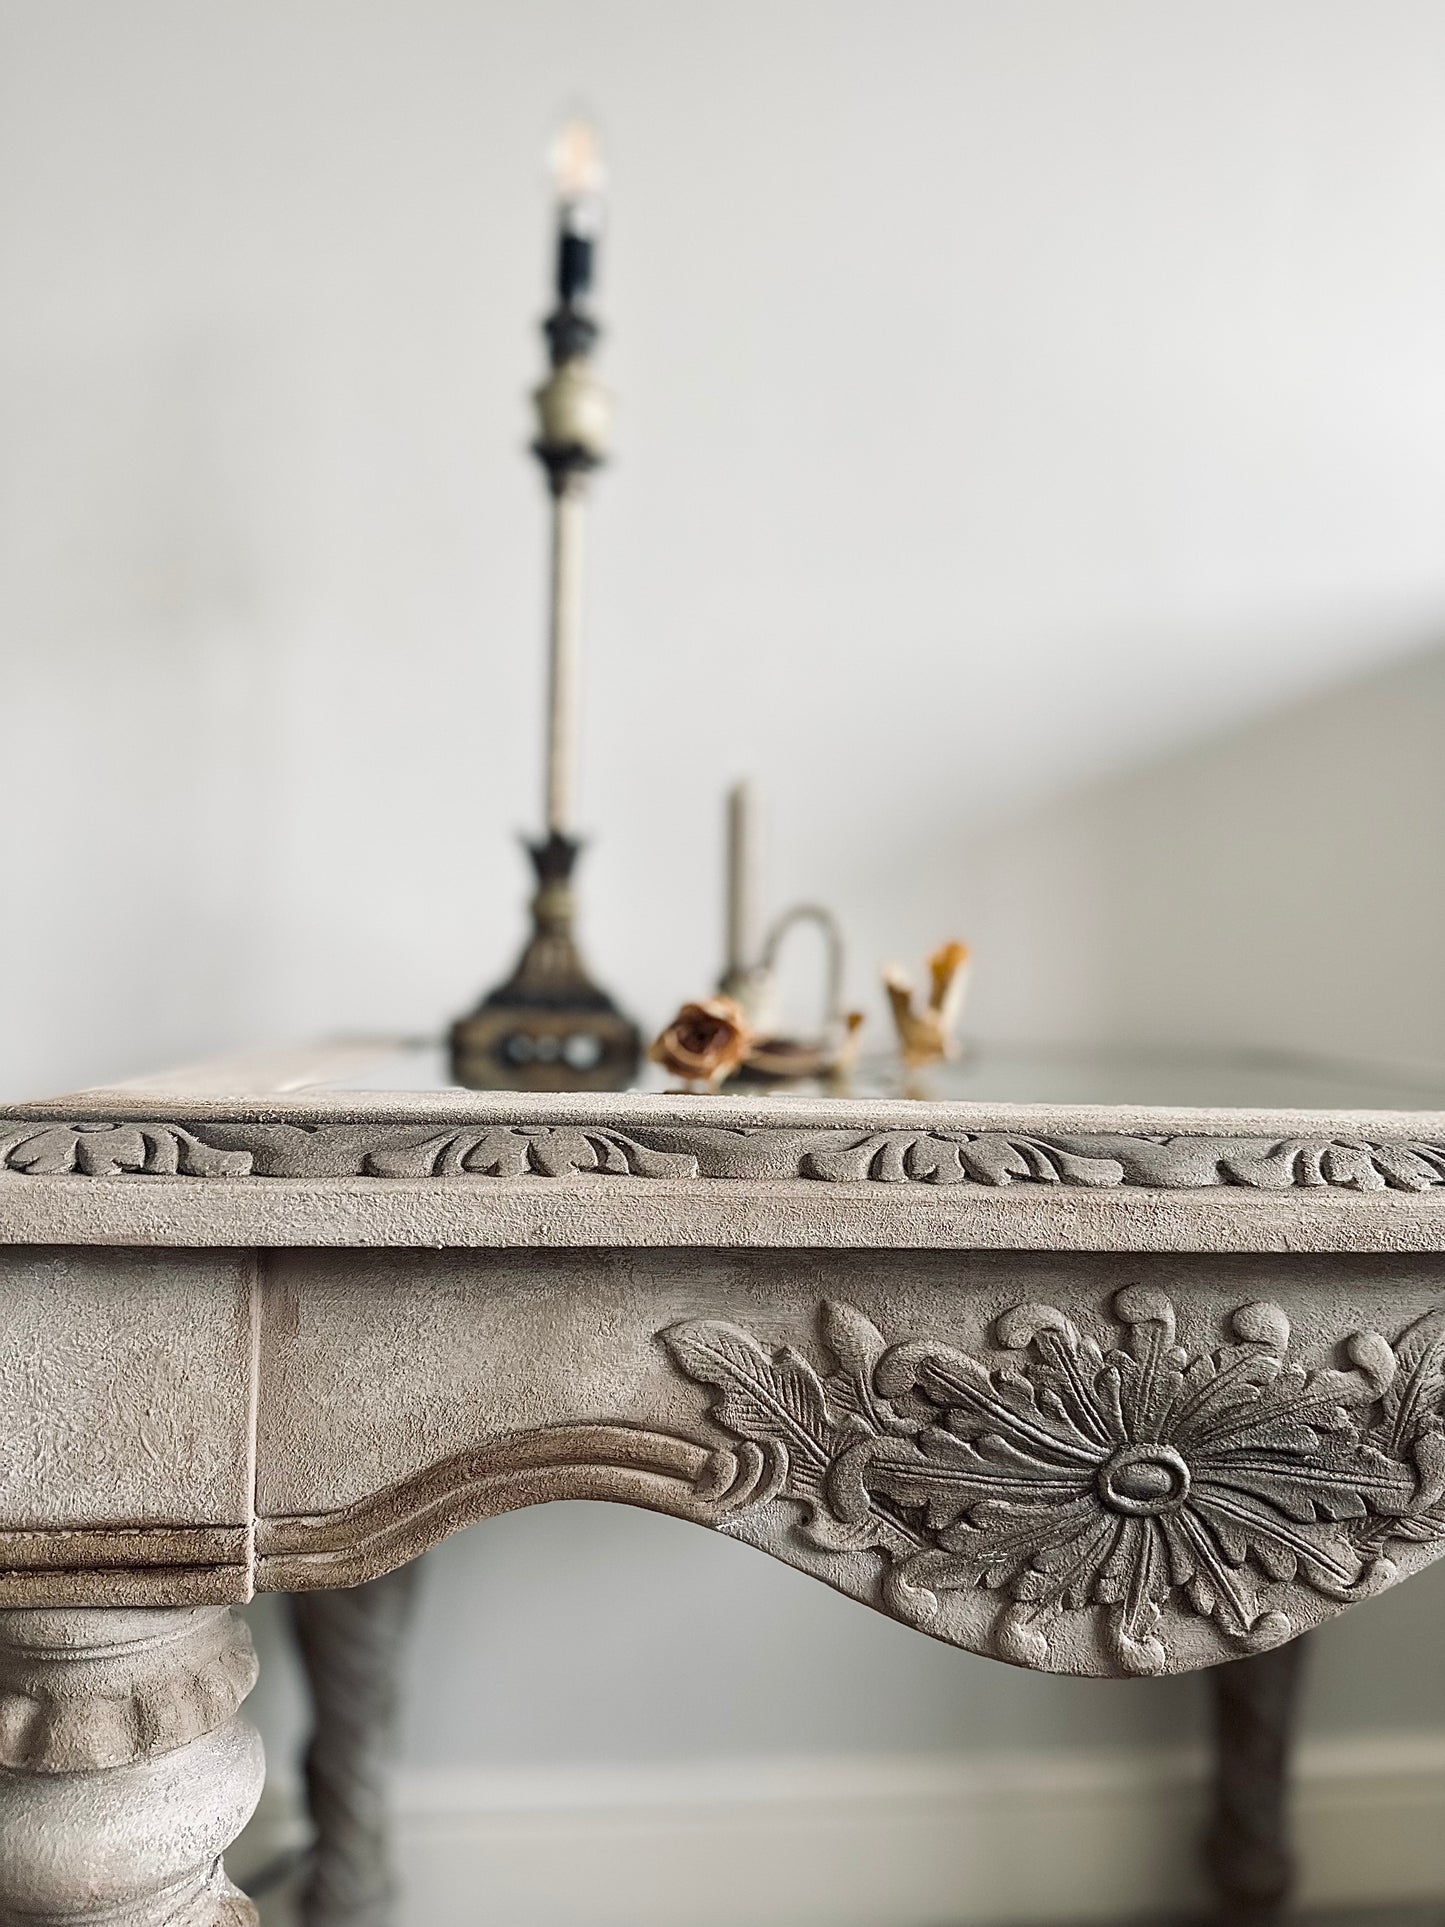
1280	886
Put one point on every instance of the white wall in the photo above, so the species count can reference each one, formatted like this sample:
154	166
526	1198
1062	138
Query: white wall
1031	467
1276	886
1007	393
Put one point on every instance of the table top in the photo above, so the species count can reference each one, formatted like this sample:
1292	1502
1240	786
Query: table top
383	1073
1051	1074
363	1142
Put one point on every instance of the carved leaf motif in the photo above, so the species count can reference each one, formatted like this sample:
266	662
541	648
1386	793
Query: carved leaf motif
431	1157
778	1400
951	1157
64	1148
992	1158
1412	1167
1413	1397
106	1150
1414	1425
618	1155
557	1154
199	1160
492	1154
996	1159
1350	1163
1070	1478
855	1341
511	1151
857	1345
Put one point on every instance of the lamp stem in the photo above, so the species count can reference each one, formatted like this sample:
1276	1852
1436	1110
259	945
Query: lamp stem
564	631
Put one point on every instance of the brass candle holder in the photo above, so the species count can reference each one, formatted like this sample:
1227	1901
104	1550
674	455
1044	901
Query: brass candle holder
549	1027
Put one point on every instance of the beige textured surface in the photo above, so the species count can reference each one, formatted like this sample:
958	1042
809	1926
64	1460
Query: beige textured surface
377	1365
831	1328
125	1377
406	1394
299	1099
580	1211
225	1157
127	1768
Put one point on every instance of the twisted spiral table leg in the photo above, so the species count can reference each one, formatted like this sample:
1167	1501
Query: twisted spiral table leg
1247	1848
351	1647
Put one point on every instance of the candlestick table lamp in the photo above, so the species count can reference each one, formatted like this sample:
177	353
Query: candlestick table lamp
549	1027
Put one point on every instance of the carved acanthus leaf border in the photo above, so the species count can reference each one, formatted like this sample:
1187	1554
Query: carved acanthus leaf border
1126	1484
91	1148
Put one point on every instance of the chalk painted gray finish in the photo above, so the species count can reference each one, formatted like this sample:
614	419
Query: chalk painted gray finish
1097	1392
944	1154
1247	1848
350	1644
126	1768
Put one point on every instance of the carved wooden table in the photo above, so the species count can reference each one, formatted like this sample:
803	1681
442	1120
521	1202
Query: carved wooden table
1100	1391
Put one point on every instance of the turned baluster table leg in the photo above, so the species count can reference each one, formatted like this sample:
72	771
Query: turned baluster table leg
1247	1849
126	1769
351	1647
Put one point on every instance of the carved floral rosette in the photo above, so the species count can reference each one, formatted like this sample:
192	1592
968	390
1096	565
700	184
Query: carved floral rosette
1111	1498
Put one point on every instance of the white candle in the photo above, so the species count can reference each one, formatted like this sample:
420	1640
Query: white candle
572	411
742	880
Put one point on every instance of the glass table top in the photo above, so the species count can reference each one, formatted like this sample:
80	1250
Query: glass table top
1027	1074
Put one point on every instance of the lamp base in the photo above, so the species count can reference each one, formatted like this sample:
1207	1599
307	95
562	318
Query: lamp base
548	1027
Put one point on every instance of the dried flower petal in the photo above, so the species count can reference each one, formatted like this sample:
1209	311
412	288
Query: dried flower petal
705	1042
945	970
926	1031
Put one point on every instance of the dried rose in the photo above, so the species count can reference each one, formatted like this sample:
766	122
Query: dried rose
705	1042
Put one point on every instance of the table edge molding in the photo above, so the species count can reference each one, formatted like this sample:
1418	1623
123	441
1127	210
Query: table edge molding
1327	1154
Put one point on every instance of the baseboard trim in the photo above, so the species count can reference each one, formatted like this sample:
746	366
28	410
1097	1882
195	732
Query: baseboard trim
912	1841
